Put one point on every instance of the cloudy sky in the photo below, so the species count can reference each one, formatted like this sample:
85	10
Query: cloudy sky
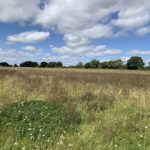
74	30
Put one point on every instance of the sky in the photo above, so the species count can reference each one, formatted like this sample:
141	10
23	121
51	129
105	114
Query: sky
71	31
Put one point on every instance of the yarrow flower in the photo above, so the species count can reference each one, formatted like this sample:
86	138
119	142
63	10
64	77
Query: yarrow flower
23	148
15	144
115	145
70	145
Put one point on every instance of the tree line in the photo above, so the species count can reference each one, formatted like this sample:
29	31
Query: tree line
34	64
133	63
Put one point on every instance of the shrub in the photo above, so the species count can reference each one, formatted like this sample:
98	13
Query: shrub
37	119
97	103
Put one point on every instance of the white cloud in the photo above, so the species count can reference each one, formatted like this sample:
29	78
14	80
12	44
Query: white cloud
132	23
68	16
17	56
132	14
32	50
18	10
28	37
139	52
74	15
87	51
143	31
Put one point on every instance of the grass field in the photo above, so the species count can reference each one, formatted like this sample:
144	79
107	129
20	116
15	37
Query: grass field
113	107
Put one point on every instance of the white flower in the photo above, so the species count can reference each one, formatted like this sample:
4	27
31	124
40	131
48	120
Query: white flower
29	129
15	144
48	140
23	148
139	145
145	127
61	142
141	135
115	145
70	145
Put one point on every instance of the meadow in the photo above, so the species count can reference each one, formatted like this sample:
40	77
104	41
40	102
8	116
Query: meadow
74	109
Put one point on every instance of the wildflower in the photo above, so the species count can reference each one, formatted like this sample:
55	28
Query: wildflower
115	145
48	140
61	142
23	148
78	134
141	135
15	144
145	127
29	129
70	145
139	145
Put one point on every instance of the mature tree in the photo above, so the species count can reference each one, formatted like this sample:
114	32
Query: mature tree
29	64
87	65
43	64
52	64
80	65
135	63
4	64
115	64
93	64
55	64
15	65
104	65
59	64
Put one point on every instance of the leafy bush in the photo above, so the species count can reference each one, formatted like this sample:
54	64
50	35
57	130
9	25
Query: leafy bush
37	119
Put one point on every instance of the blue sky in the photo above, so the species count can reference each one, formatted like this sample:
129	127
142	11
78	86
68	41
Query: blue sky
73	30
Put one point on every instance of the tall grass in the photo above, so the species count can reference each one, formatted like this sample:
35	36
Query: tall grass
114	106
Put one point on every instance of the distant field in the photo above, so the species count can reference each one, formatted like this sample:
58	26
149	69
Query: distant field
113	105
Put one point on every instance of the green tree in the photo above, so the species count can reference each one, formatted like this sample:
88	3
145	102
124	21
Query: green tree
80	65
87	65
95	63
29	64
43	64
4	64
104	65
59	64
115	64
135	63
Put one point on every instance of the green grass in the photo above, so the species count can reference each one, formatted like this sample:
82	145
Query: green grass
79	109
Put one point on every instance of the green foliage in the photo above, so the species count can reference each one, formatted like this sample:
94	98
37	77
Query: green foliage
4	64
80	65
55	64
29	64
113	64
37	119
135	63
93	64
43	64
